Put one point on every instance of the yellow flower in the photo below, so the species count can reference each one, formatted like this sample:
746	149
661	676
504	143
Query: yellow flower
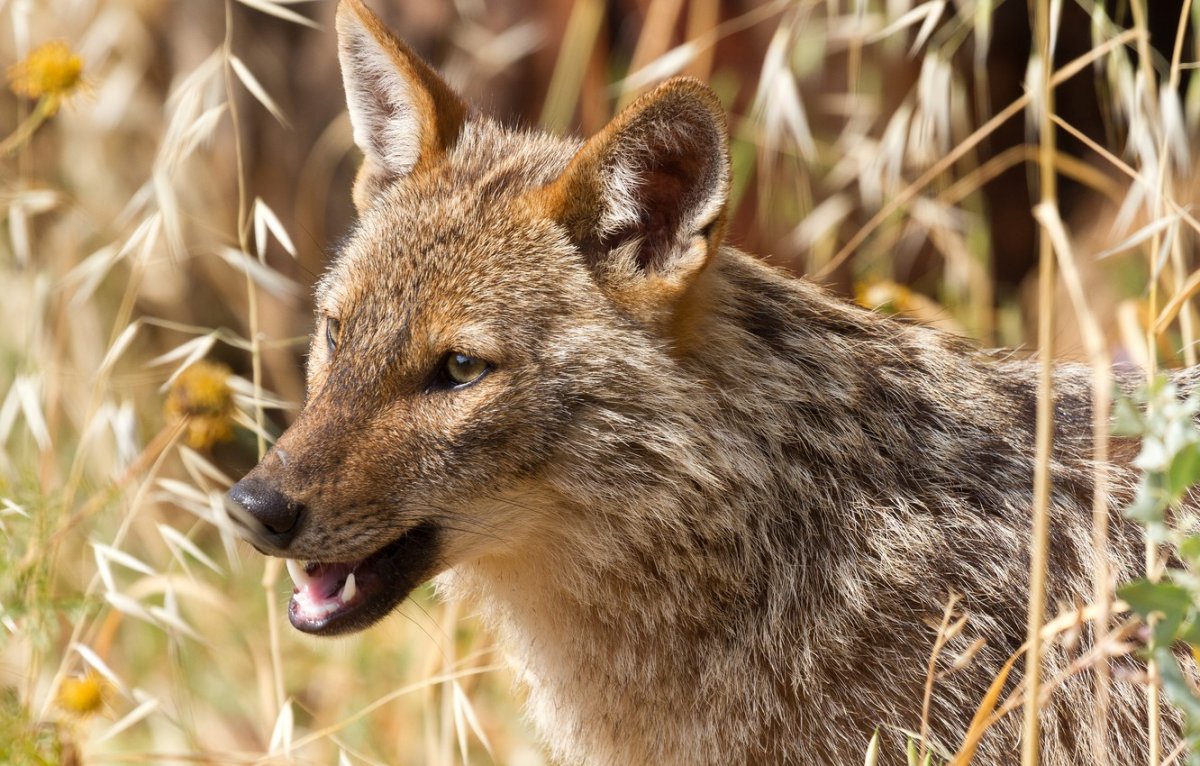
884	295
82	695
52	70
202	397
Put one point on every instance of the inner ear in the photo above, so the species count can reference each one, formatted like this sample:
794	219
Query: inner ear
646	196
664	197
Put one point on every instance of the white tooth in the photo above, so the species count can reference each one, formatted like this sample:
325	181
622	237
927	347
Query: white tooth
349	590
296	570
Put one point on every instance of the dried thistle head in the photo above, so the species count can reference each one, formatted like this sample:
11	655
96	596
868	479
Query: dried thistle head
202	397
52	71
82	695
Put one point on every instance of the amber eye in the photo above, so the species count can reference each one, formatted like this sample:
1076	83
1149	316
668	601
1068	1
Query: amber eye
461	369
333	333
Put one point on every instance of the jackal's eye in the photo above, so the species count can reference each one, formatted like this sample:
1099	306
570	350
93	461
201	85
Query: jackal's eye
460	369
333	333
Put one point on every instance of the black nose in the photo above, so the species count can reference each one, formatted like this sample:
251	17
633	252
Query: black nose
278	516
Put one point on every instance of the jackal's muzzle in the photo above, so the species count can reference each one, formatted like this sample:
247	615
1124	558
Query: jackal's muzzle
331	597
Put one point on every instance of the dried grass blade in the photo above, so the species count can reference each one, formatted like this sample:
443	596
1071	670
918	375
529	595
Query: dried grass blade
1186	291
173	620
247	422
281	735
464	710
124	559
134	716
201	130
872	757
104	571
1141	235
499	51
981	720
266	278
223	512
927	14
177	541
88	655
266	220
31	407
274	9
118	347
183	491
199	466
256	89
8	414
90	272
193	351
823	221
245	396
129	606
670	63
12	509
778	104
18	233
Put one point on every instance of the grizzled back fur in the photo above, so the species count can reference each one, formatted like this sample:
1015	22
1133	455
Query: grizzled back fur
710	511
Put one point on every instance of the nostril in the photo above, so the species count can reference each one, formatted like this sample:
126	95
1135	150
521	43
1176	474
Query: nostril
286	521
278	514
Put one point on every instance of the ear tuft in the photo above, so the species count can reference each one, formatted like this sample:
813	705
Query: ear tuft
404	116
649	191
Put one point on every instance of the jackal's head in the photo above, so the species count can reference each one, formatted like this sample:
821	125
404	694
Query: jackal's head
500	295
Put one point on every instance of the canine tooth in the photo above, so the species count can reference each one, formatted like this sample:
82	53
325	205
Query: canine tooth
296	570
349	590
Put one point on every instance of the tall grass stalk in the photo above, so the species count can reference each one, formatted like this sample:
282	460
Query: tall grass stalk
583	30
1040	537
271	569
1102	395
1187	318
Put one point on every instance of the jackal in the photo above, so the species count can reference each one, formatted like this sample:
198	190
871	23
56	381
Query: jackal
709	510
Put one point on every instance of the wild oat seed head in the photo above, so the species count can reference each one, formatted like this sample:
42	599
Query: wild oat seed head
51	70
202	395
82	696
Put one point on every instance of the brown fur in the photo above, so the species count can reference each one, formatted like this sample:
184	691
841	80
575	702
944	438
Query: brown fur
710	511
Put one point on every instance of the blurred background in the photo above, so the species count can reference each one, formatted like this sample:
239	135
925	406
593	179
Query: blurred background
175	174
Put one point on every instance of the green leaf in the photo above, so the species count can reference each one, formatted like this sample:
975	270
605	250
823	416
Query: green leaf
1189	632
1189	549
1127	420
1148	505
1147	598
1175	685
1184	471
1171	603
1154	456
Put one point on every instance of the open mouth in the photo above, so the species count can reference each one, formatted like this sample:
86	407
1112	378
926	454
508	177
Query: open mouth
342	597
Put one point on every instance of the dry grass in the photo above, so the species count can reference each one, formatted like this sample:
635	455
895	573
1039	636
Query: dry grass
174	205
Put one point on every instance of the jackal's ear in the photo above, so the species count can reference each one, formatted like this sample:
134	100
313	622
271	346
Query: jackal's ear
646	196
404	116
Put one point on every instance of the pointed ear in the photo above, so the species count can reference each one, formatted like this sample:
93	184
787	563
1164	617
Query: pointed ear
404	116
645	198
